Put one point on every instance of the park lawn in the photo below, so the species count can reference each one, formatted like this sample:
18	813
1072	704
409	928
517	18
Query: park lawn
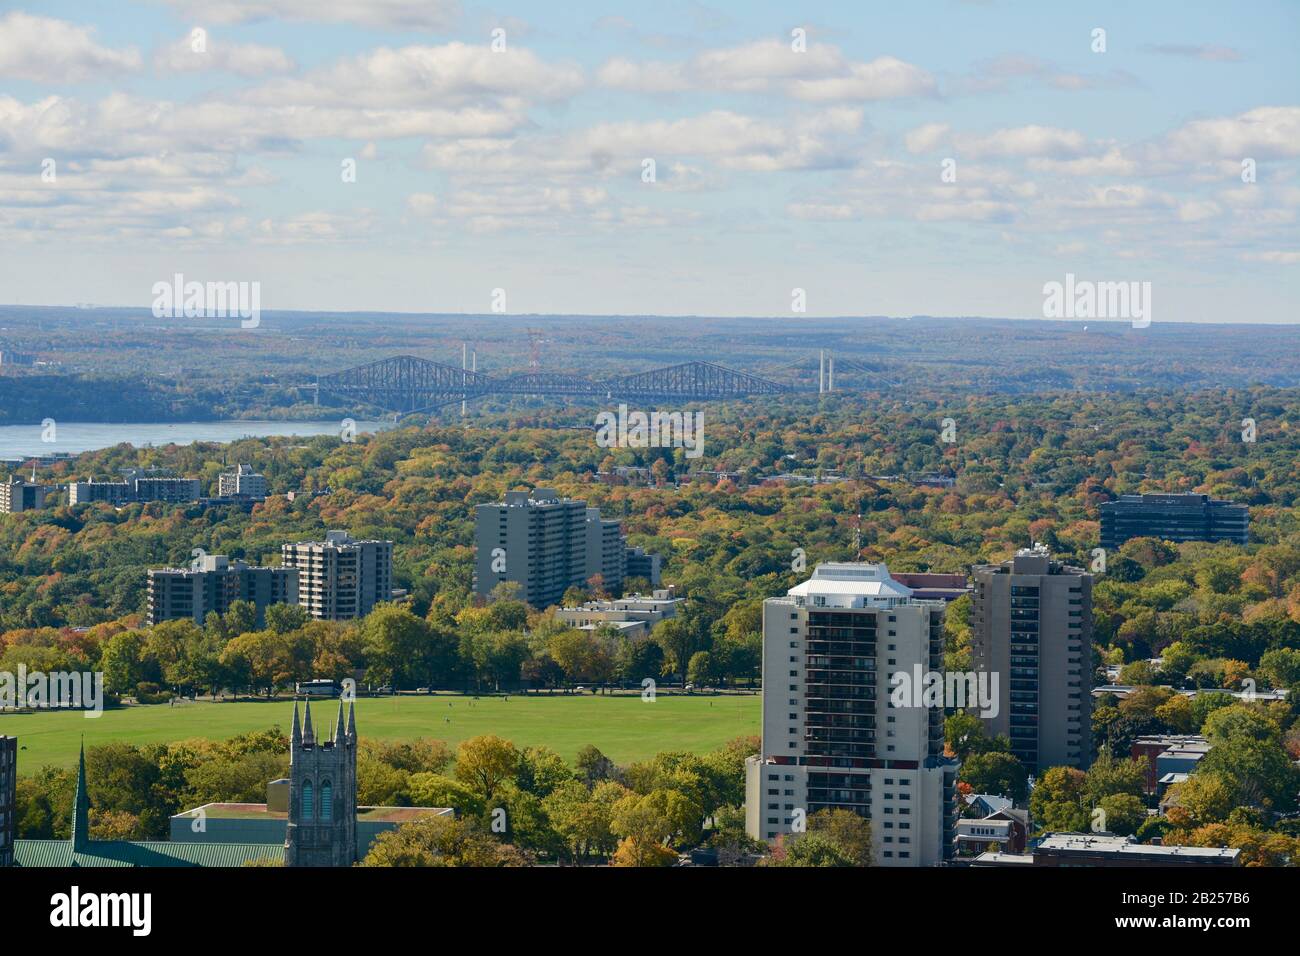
625	728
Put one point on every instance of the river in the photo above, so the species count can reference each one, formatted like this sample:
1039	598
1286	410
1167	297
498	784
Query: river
27	441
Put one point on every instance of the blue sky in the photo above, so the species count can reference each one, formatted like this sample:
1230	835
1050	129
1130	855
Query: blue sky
775	168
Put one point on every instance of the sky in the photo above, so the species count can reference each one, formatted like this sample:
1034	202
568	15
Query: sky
674	158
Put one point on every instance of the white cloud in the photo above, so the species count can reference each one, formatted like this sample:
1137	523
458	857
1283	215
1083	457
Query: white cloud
44	50
926	138
419	76
426	15
1274	256
1217	54
1267	132
821	74
1025	141
242	59
422	204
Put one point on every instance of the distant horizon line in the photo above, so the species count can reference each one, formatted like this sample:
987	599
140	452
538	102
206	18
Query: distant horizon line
685	316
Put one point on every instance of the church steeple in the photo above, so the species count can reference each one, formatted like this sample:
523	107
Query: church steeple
308	738
339	731
296	736
81	808
352	721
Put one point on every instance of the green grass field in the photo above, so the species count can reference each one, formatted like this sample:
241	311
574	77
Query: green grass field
625	728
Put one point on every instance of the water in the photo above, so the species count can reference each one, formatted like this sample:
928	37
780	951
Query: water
25	441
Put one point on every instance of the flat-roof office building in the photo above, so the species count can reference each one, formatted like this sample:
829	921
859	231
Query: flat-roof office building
1173	518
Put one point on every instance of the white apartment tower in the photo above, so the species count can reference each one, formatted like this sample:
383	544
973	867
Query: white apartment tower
832	739
340	579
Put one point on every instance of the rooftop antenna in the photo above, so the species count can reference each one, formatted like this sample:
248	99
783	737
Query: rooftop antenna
857	534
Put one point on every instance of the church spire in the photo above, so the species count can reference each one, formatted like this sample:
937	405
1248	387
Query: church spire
81	807
296	736
338	727
308	738
352	721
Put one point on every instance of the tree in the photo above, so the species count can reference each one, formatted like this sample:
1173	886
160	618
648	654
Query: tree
541	770
1108	776
397	643
1247	752
441	841
593	766
435	790
484	763
1124	813
1207	797
812	849
996	773
634	852
661	816
848	831
700	670
122	662
1056	803
679	642
285	618
639	659
581	818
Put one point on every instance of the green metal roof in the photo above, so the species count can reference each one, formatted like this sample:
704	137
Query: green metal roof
60	853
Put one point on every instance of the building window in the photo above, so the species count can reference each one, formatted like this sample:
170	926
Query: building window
308	805
326	801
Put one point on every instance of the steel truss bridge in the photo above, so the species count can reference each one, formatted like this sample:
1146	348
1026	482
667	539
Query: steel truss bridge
409	384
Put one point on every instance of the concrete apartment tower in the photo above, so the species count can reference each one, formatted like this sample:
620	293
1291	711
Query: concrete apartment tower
340	579
546	544
322	826
832	737
1031	624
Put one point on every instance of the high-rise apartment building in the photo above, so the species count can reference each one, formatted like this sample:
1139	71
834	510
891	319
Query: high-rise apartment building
213	584
8	798
1031	625
833	737
18	495
1173	518
340	579
547	544
243	482
640	564
606	552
